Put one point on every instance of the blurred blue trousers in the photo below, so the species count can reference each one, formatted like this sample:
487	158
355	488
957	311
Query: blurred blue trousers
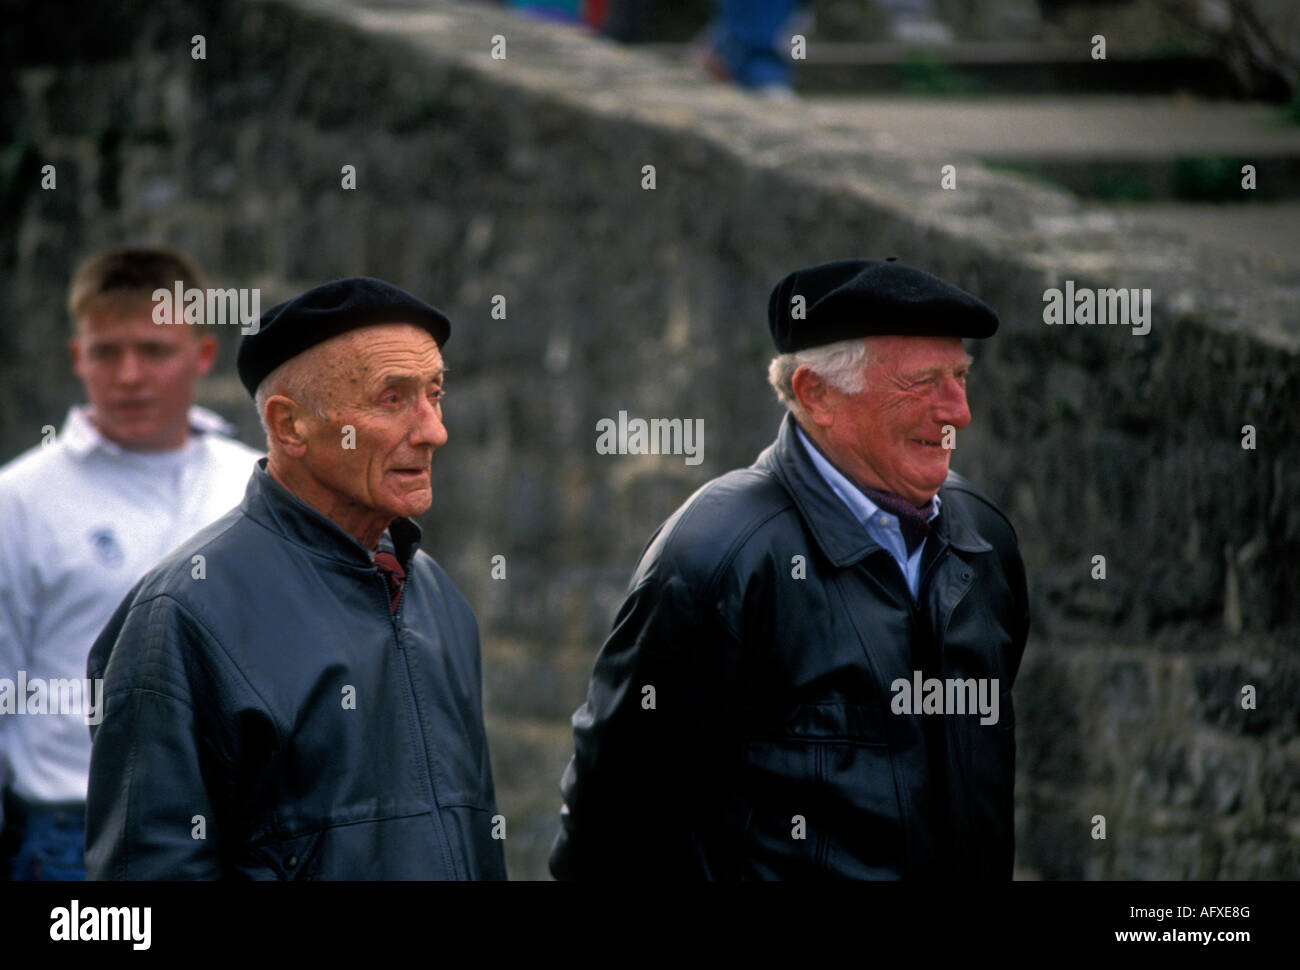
51	843
745	37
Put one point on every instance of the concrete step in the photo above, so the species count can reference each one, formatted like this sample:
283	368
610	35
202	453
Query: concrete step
1269	234
1009	68
999	68
1119	148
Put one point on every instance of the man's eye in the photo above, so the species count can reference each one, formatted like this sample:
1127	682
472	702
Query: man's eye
436	394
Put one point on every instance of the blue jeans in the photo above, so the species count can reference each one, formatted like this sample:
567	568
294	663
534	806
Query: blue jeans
745	39
51	843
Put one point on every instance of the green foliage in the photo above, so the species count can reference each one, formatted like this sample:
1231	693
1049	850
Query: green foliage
1123	187
925	74
1291	113
1208	178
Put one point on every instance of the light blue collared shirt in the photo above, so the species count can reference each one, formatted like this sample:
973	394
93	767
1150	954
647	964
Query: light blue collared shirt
881	525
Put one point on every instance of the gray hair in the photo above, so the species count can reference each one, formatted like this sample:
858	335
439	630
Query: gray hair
295	379
839	364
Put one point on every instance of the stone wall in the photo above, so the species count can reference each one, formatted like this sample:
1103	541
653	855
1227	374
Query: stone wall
523	178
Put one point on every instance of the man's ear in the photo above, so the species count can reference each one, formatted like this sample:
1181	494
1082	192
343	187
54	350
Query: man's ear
207	353
74	349
815	396
286	425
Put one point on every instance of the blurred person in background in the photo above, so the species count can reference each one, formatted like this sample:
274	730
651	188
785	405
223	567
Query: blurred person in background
749	42
749	45
591	13
131	474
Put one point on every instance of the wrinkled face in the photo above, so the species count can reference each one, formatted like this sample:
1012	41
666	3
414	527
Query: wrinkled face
890	435
384	382
139	376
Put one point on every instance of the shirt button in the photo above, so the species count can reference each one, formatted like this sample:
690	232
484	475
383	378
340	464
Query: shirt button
291	862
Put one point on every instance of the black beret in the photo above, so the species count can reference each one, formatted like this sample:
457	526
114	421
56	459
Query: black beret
289	328
851	298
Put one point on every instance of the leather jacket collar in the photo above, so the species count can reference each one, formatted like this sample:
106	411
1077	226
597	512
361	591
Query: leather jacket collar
271	505
841	537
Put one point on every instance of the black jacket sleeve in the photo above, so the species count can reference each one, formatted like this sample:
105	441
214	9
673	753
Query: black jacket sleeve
626	806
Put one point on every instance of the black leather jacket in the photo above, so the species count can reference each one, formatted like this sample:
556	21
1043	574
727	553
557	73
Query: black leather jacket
278	709
736	707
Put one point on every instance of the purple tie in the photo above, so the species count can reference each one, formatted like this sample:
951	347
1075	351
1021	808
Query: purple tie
912	520
394	575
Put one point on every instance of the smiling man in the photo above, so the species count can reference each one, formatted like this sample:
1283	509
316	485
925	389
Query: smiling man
295	692
753	713
129	476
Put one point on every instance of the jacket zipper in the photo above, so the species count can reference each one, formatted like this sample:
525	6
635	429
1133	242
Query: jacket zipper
413	709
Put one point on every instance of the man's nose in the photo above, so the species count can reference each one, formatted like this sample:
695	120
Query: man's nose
952	408
130	368
428	428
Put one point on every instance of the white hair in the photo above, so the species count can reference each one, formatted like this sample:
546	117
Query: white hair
295	378
839	364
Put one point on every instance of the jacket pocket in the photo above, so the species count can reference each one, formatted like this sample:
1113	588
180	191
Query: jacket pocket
477	840
287	859
822	798
396	847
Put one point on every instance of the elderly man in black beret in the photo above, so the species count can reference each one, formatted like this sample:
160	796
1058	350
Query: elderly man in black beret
294	693
811	674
